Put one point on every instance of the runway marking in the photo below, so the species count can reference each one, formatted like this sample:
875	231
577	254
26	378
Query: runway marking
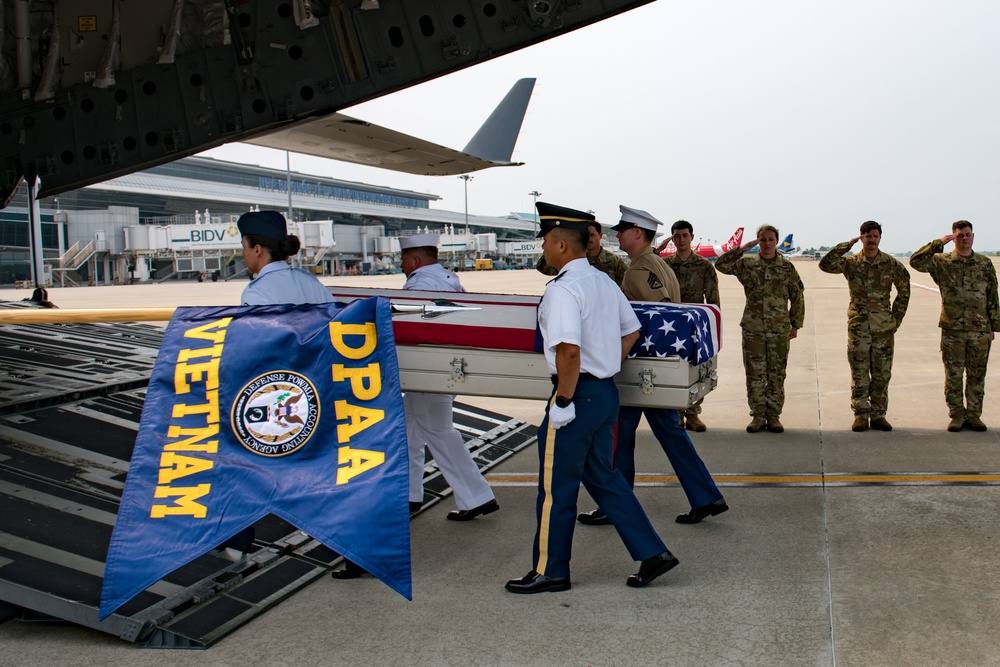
929	288
795	479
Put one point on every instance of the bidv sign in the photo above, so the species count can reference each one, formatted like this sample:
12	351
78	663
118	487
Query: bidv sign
204	237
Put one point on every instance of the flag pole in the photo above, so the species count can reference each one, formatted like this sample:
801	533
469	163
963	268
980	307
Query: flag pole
163	314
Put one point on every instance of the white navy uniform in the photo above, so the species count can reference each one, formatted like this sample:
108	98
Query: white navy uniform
429	420
277	282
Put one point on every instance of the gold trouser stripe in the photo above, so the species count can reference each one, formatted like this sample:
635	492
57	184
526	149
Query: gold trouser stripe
790	479
544	520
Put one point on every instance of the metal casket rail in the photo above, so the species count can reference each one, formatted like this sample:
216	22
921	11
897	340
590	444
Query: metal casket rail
667	382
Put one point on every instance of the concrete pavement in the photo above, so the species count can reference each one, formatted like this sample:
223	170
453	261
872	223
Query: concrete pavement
812	567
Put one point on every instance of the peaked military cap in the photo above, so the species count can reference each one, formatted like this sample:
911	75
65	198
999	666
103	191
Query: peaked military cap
634	217
269	224
419	241
551	217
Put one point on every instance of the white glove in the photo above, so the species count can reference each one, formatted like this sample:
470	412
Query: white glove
559	417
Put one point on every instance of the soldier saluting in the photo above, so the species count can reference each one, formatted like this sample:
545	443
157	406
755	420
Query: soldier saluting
970	316
872	320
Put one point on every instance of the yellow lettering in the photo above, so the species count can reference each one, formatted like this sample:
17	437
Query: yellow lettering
193	443
207	372
359	418
338	330
214	351
358	460
174	466
205	331
184	503
372	373
210	409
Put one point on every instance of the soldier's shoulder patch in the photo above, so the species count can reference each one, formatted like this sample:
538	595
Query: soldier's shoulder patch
653	281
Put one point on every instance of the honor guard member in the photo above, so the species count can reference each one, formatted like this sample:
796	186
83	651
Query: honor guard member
699	283
429	419
587	328
600	258
774	312
970	318
646	280
872	320
267	245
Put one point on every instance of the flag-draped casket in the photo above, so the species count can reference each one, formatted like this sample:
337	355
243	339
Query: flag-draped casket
496	350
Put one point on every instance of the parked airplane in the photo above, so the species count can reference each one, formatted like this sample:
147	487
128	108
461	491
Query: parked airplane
785	248
708	251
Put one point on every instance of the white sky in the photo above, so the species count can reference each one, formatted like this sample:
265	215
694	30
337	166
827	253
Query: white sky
813	116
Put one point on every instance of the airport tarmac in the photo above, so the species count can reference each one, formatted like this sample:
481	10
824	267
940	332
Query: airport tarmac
840	548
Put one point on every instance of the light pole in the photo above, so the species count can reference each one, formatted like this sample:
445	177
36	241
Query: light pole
466	178
535	194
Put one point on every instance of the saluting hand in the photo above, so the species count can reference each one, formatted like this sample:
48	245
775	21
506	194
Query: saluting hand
749	244
947	238
663	246
559	417
855	240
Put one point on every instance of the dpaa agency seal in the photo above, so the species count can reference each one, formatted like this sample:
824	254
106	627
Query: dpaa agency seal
276	413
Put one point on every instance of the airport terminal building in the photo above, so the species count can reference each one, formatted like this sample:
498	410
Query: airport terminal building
178	220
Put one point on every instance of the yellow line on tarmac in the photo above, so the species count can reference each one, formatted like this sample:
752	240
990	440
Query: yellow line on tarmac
793	479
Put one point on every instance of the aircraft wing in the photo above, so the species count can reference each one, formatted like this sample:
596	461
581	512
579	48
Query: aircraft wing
341	137
131	85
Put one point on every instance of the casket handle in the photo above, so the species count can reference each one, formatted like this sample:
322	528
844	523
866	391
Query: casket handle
646	380
458	369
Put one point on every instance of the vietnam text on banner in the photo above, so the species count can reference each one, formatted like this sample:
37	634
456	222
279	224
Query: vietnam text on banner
287	409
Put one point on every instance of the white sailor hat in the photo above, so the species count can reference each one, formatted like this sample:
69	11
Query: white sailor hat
419	241
634	217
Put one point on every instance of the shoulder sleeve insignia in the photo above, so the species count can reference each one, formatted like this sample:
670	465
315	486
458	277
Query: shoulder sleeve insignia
653	281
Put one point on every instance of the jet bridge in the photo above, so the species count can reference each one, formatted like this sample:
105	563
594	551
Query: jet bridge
71	397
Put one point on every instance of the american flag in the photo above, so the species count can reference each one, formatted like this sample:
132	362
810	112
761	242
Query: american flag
692	332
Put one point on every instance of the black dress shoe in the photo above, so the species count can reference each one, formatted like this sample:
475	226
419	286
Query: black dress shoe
350	571
594	518
538	583
703	512
415	506
651	568
468	515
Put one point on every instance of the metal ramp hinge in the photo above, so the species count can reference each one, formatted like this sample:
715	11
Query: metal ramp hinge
646	380
457	369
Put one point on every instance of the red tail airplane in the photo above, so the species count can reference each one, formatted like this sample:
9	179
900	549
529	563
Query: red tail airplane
706	250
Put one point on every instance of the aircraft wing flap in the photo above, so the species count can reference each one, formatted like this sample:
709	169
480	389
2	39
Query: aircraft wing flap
341	137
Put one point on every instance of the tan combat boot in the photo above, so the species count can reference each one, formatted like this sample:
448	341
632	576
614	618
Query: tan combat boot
756	424
860	424
880	424
774	425
694	423
956	424
974	424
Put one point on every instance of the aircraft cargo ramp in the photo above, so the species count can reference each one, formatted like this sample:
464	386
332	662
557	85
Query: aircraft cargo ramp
71	397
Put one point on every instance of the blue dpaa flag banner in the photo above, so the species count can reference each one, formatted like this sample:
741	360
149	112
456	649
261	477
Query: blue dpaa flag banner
291	410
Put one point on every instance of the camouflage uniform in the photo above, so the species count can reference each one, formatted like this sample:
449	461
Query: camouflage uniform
649	279
872	322
606	261
775	304
969	312
699	283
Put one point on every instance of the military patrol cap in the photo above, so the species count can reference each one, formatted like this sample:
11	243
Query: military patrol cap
633	217
552	217
419	241
269	224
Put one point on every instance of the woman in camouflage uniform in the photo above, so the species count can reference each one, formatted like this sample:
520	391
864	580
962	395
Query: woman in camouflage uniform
774	311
